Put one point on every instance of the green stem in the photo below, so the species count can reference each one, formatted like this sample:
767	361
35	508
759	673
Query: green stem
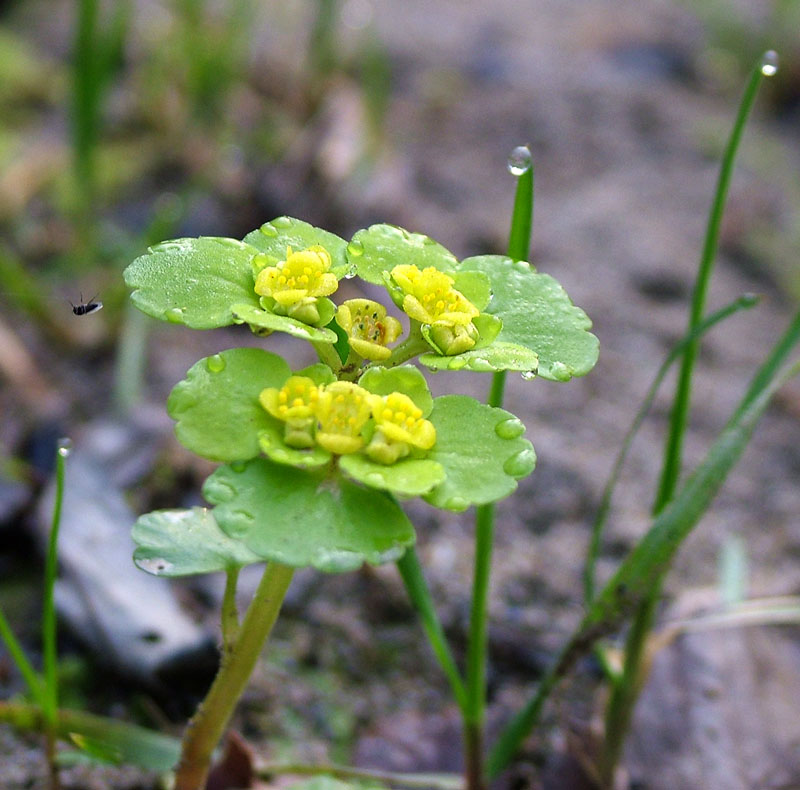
422	781
679	415
742	303
230	617
625	694
31	678
49	625
414	579
328	354
518	246
212	717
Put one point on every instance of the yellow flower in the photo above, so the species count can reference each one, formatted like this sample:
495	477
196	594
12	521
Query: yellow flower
342	411
302	276
399	427
429	296
368	327
295	403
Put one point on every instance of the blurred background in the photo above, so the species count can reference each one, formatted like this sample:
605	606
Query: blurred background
125	122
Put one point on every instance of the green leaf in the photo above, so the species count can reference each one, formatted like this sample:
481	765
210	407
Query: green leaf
491	359
255	316
216	406
271	441
405	378
475	286
319	373
380	248
274	237
193	281
537	313
481	449
185	542
406	478
301	518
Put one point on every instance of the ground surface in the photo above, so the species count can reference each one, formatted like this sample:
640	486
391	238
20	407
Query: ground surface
625	132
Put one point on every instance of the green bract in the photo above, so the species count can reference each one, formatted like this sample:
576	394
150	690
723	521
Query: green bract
537	313
343	437
193	281
276	236
380	248
302	518
185	542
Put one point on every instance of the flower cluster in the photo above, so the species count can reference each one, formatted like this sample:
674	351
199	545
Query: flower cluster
344	418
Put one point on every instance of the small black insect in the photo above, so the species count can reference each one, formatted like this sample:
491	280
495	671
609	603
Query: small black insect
84	308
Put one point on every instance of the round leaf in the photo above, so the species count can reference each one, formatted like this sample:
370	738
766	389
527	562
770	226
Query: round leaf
255	316
193	281
274	237
481	449
537	313
302	518
406	478
491	359
185	542
380	248
405	378
216	406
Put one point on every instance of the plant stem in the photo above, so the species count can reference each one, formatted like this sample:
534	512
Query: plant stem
475	713
327	354
422	781
625	694
679	415
49	648
413	578
230	617
212	717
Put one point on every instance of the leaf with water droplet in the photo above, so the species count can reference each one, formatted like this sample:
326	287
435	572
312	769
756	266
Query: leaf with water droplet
385	246
406	478
404	378
193	281
256	317
491	359
481	449
302	518
186	542
216	406
299	235
537	314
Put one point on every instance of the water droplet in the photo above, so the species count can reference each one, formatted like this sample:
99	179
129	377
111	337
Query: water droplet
510	428
269	230
238	466
560	372
350	274
64	446
154	565
282	222
374	479
218	491
174	315
529	375
769	63
215	363
519	160
481	365
355	248
338	560
456	503
232	243
237	523
520	464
